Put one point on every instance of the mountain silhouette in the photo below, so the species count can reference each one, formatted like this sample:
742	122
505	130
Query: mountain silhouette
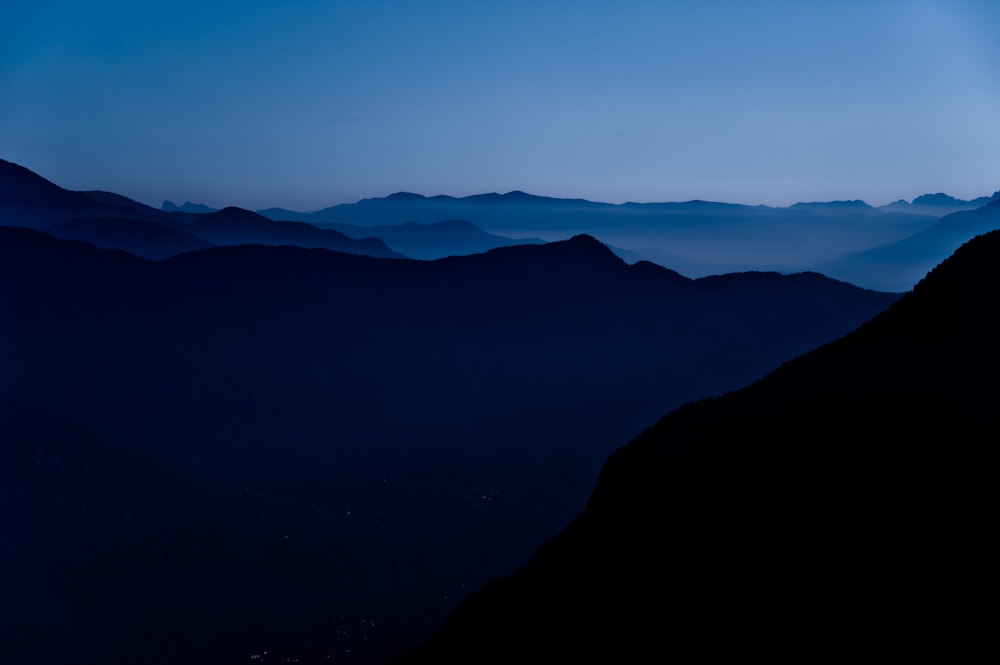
699	238
29	200
900	265
147	239
708	237
837	504
236	226
855	205
359	437
124	202
939	204
432	241
187	206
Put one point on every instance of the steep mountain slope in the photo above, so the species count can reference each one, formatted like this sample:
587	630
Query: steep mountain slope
414	427
29	200
839	505
698	238
187	206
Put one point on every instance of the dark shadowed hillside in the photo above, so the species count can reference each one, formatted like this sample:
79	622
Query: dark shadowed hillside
839	505
29	200
148	239
392	433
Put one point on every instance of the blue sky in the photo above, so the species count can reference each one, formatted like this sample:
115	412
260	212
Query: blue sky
303	104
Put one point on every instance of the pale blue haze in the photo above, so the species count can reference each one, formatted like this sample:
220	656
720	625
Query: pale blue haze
305	104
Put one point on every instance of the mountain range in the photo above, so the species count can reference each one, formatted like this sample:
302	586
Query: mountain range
229	441
871	247
838	505
113	221
697	238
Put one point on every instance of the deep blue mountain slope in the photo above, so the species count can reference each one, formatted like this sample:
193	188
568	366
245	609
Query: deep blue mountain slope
390	433
836	506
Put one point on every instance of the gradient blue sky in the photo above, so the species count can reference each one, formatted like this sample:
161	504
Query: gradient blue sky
303	104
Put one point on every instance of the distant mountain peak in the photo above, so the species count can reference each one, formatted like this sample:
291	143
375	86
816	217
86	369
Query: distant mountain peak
585	240
584	245
233	212
187	206
939	198
852	203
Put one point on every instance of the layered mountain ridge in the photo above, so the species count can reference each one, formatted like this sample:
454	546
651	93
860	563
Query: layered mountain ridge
413	428
838	503
254	444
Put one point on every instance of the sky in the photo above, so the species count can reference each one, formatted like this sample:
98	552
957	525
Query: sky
304	104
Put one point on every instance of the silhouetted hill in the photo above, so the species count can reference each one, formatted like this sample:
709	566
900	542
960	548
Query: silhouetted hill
124	202
103	218
697	237
708	237
378	436
235	226
187	206
838	505
939	204
432	241
147	239
899	265
29	200
822	207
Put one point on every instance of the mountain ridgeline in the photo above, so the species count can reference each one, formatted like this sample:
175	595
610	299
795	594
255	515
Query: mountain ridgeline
839	504
346	436
886	248
699	238
113	221
223	434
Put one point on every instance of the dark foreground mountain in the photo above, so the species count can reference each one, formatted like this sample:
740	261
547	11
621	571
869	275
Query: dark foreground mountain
187	206
840	505
363	440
